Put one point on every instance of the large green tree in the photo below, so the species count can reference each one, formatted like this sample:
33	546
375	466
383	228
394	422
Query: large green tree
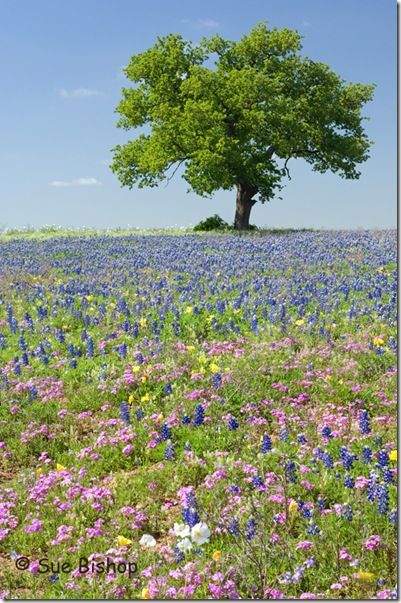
232	114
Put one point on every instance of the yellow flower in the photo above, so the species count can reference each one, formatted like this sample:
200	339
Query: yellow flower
333	325
300	322
39	471
202	359
145	593
144	379
143	298
367	577
159	418
214	368
328	377
143	322
136	368
190	348
293	506
227	369
131	399
60	467
216	555
189	310
122	541
112	305
145	398
393	455
378	341
89	298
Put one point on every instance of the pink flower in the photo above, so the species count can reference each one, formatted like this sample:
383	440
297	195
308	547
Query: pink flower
336	586
304	545
374	542
128	449
307	596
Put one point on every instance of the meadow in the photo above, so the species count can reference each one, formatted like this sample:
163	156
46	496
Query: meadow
198	416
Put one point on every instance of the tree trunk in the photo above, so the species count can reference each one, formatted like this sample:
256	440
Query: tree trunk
244	204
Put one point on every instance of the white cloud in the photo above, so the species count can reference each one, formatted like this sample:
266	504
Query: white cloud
208	23
78	93
201	23
77	182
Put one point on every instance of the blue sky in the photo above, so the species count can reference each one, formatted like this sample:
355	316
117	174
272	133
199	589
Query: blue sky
61	81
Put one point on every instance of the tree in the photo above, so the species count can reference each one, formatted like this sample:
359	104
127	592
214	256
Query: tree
232	114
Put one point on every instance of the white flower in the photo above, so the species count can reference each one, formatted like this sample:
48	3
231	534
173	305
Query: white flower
185	545
200	533
147	540
181	530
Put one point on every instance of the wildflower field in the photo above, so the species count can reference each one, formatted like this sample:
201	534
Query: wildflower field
198	416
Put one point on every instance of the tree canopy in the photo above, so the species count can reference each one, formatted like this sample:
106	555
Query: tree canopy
232	114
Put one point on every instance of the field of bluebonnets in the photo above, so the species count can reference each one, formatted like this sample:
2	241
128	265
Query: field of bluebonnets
198	416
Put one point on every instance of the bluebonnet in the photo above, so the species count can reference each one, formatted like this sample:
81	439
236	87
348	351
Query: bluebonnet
393	517
168	389
233	528
266	443
284	435
364	424
372	484
186	419
382	458
179	555
326	432
382	499
349	481
22	344
165	432
217	380
313	528
190	511
90	346
139	414
302	439
199	415
328	460
347	512
232	424
25	359
347	458
169	452
387	475
320	504
257	481
124	408
290	471
366	455
250	529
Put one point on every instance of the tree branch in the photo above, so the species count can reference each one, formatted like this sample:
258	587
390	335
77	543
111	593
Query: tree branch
180	161
286	168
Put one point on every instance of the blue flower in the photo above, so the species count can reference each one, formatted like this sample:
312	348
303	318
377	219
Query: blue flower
199	415
364	425
124	408
165	432
266	444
